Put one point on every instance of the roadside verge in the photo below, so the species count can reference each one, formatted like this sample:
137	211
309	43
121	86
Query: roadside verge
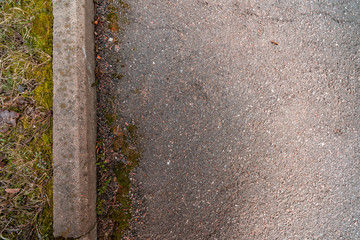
74	130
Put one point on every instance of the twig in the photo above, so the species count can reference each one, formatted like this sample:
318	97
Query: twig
4	228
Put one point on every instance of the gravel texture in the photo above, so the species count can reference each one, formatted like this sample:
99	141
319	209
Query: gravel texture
249	115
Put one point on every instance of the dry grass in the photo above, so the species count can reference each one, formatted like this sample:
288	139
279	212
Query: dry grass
26	88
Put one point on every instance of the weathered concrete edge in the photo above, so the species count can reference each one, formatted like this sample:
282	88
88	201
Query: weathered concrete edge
74	130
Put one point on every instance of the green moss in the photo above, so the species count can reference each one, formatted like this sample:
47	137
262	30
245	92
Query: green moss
128	145
133	157
43	93
124	4
119	143
111	119
113	17
124	142
42	28
121	172
122	217
42	34
42	145
132	130
113	21
46	216
117	75
122	214
125	148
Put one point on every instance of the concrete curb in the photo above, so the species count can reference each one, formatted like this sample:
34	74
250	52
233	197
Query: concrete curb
74	129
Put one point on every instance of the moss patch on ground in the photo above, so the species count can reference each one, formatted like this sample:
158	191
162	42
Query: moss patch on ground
115	178
116	16
26	150
129	148
118	149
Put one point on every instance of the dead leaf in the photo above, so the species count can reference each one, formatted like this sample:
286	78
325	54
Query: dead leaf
12	190
2	157
7	119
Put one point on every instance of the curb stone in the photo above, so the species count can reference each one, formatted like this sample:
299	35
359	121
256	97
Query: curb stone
74	130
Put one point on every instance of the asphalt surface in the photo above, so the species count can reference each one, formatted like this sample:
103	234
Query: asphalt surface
249	112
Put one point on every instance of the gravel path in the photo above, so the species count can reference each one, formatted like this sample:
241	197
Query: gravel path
249	112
